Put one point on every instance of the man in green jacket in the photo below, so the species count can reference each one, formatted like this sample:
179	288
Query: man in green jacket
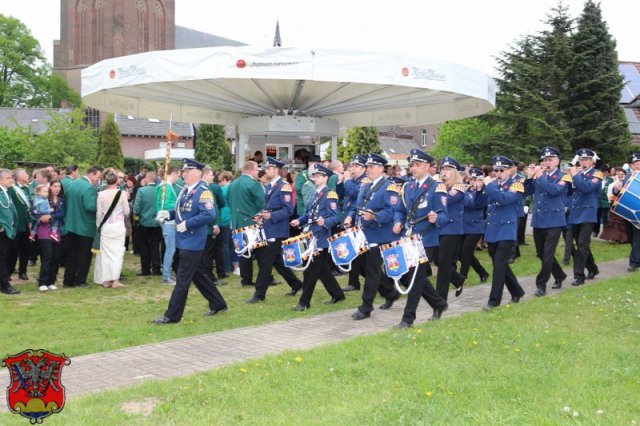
246	199
149	230
80	222
8	219
20	246
166	196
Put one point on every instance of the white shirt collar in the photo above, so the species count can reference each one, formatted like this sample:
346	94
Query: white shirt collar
274	180
377	180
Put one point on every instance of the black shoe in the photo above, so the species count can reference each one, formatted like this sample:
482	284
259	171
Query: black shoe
300	307
577	282
215	311
539	293
292	292
10	290
592	275
402	326
164	320
484	278
333	301
23	276
275	283
357	315
249	284
516	299
81	285
511	260
350	288
437	313
253	300
143	274
156	273
632	268
389	303
489	307
459	290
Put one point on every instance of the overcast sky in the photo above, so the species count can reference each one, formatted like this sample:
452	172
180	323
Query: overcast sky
469	32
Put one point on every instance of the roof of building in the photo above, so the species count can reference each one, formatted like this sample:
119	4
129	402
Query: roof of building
397	148
133	126
36	118
631	75
186	38
633	117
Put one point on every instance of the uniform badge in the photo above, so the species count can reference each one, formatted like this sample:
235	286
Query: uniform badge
287	198
35	391
444	200
333	205
208	205
393	200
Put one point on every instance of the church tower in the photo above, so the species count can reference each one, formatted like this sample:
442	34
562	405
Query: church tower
93	30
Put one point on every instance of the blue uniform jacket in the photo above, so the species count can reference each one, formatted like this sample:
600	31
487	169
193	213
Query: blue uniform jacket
502	210
196	208
351	190
435	193
519	178
586	191
549	199
382	203
455	211
474	204
279	202
323	204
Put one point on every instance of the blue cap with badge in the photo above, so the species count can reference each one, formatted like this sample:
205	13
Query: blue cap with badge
319	169
376	160
549	151
273	162
189	164
475	172
420	156
585	153
360	160
502	162
451	162
634	157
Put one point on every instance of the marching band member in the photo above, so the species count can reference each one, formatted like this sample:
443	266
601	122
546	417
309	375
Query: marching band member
193	211
278	207
504	196
375	209
422	211
321	213
475	203
549	187
451	231
584	213
632	231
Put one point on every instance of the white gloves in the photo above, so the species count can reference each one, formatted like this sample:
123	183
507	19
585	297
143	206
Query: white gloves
163	216
182	226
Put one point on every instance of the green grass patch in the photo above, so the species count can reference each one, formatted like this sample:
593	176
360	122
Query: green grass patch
94	319
563	359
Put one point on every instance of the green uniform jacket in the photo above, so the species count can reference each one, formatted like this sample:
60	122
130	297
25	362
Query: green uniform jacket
145	206
66	183
22	208
246	199
8	215
170	196
80	212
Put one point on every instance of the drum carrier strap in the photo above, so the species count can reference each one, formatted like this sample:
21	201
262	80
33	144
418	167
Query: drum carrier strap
410	221
368	197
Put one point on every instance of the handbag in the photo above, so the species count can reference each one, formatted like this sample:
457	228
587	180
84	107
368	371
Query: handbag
95	248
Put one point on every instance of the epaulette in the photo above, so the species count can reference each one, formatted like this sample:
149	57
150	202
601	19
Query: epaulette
206	195
332	194
393	187
365	180
441	187
459	187
567	178
517	187
286	188
598	174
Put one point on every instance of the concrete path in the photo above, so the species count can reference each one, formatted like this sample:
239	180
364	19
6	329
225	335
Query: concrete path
126	367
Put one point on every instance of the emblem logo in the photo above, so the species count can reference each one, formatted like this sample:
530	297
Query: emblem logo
240	63
405	71
392	262
112	74
289	255
36	390
342	250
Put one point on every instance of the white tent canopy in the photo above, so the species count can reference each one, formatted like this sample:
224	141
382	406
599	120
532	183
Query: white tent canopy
222	85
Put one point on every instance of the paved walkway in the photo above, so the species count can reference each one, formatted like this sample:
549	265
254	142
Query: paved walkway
126	367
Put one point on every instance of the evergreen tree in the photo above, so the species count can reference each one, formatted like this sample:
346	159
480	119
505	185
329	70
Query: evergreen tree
360	140
110	150
212	147
468	140
595	83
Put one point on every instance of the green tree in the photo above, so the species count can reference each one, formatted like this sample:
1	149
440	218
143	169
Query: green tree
595	83
110	154
212	147
467	140
14	144
360	140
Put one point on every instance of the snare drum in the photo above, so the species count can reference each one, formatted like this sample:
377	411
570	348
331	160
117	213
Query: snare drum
627	205
345	246
402	255
297	251
248	239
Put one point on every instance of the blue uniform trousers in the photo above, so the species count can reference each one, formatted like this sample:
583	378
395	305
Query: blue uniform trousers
267	258
502	274
583	257
422	287
634	239
374	280
319	269
546	241
468	257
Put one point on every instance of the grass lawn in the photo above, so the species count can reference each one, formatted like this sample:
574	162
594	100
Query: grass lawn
94	319
564	359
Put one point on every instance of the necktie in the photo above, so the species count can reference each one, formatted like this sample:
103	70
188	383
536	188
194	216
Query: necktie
267	188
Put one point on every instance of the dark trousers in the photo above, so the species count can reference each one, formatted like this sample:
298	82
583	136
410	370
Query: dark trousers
20	250
421	288
246	270
150	241
5	244
468	256
222	250
374	280
355	272
78	259
522	227
319	269
634	240
583	258
602	216
208	255
267	258
448	251
51	254
190	268
569	248
546	241
502	274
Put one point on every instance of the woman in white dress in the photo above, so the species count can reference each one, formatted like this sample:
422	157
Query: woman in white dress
109	260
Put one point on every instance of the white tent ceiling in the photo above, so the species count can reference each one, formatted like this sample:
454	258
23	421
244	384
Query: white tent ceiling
222	85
